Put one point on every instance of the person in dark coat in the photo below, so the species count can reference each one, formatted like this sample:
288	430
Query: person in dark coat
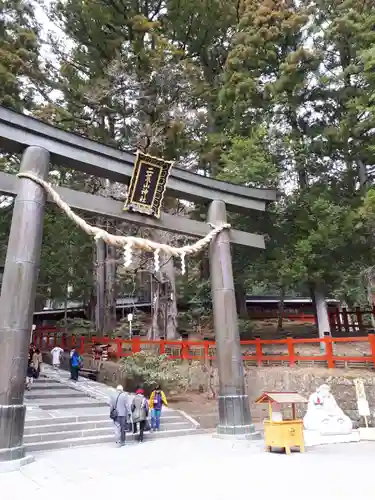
120	406
139	413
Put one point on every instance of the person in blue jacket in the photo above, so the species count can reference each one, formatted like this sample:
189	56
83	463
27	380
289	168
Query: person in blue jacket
75	365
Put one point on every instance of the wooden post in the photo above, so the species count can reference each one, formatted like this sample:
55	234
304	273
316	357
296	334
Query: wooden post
329	351
17	300
185	350
338	320
234	408
136	345
358	313
162	347
345	319
290	344
119	348
371	339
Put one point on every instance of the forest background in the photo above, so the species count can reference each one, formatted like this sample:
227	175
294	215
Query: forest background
263	93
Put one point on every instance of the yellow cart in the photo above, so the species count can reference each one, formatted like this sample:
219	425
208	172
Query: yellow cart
283	433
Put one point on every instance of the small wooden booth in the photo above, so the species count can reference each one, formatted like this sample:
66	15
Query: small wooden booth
280	433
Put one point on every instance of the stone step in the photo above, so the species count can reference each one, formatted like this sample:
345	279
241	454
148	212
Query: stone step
50	386
61	393
44	380
68	419
106	437
34	425
65	403
99	429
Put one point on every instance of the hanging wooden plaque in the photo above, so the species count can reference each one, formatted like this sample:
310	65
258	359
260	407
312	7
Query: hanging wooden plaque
147	185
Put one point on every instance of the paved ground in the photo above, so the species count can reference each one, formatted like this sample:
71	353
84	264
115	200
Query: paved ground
195	467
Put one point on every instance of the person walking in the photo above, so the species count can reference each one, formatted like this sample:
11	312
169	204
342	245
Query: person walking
139	413
37	361
31	353
157	400
75	365
120	413
70	356
30	375
57	353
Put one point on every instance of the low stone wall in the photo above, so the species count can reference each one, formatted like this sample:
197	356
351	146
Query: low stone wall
305	381
258	380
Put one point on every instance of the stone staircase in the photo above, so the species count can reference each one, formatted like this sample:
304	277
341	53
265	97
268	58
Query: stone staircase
63	416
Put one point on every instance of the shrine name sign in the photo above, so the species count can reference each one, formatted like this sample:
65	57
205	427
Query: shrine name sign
147	185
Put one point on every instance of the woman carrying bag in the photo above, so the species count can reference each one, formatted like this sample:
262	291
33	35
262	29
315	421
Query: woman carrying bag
139	413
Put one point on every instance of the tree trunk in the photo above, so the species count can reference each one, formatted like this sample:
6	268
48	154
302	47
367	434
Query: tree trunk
66	312
155	301
322	313
110	289
171	300
100	286
280	315
164	315
369	292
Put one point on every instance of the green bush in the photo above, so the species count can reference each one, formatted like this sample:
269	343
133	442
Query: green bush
146	370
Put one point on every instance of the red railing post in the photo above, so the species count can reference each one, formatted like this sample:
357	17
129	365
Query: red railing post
136	345
118	348
371	339
258	351
290	343
329	352
82	345
162	347
184	351
206	350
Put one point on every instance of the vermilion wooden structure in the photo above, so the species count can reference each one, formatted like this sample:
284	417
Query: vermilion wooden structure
46	339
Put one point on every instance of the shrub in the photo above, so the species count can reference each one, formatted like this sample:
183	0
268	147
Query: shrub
146	369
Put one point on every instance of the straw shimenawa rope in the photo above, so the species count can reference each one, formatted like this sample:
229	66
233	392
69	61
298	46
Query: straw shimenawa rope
127	242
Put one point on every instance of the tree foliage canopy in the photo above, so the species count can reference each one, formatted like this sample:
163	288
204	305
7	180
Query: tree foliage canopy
263	93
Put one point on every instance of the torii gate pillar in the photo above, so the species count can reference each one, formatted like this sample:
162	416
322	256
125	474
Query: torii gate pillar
17	302
234	409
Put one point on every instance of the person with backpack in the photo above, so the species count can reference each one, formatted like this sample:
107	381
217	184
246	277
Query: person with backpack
120	413
75	365
157	400
139	413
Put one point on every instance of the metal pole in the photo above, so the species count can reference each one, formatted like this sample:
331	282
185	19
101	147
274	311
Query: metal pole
17	300
234	409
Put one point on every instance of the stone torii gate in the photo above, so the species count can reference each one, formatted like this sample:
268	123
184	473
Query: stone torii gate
41	144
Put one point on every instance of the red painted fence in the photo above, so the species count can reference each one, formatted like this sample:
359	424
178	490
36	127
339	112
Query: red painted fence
253	350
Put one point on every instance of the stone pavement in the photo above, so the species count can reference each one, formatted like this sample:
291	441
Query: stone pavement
195	467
